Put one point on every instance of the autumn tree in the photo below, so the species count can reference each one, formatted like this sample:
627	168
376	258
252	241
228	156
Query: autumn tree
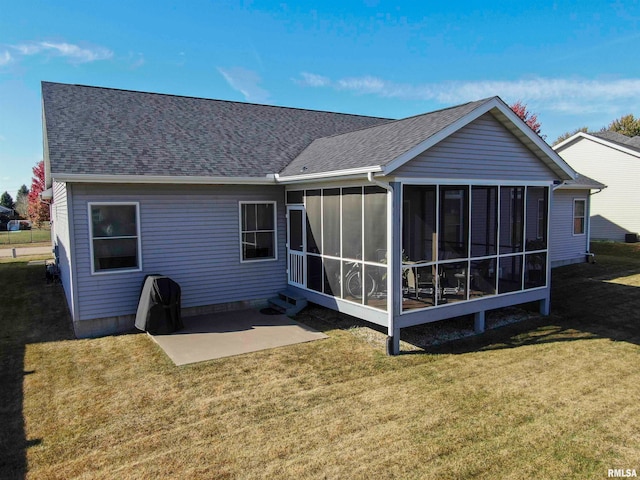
566	135
22	201
626	125
531	119
7	201
38	209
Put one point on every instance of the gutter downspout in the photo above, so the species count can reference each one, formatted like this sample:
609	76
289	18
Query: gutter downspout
391	341
591	257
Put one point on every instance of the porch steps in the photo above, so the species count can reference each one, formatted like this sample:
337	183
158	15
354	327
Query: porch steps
288	302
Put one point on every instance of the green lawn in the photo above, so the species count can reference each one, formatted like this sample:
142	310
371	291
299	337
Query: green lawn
544	398
24	237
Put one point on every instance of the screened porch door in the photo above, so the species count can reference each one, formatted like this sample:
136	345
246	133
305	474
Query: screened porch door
296	245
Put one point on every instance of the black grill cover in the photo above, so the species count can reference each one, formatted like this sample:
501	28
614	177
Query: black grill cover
159	306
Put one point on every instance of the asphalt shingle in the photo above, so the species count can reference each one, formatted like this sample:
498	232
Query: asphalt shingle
103	131
376	145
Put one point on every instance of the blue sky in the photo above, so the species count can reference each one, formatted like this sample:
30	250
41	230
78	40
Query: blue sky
573	63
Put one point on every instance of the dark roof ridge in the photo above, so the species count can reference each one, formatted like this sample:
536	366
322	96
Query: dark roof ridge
215	100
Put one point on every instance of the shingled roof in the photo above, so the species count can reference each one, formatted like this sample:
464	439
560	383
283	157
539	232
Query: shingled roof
374	146
104	131
630	142
104	134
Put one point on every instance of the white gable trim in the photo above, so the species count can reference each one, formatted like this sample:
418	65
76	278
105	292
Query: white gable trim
580	135
554	160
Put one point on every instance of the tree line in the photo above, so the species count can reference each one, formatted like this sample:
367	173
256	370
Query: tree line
28	204
626	125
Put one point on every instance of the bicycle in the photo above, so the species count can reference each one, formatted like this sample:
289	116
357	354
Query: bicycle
353	282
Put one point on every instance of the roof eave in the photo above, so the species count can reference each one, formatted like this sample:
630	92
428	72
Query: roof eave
601	141
333	175
162	179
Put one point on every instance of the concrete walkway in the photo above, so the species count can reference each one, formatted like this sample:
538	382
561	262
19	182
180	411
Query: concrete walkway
7	251
225	334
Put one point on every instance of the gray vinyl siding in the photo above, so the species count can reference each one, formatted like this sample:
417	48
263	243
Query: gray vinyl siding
565	247
190	234
616	210
484	149
61	239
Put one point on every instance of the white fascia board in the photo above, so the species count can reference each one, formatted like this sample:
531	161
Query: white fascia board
48	181
334	175
573	186
601	141
162	179
569	140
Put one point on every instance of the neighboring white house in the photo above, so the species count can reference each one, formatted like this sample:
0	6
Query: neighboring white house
614	159
397	222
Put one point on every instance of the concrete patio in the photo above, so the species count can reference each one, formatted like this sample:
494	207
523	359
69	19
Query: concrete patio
224	334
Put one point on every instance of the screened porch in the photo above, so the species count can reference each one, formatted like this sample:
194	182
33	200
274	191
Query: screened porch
457	244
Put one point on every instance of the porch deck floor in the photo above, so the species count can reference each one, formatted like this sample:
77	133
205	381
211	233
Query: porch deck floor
224	334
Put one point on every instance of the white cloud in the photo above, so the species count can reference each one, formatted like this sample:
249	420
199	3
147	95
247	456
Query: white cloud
5	58
564	95
246	82
313	80
73	52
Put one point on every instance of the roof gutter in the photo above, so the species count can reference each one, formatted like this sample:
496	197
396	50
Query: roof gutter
336	174
163	179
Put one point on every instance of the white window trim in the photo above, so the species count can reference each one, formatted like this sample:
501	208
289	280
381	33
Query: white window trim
138	236
275	230
573	218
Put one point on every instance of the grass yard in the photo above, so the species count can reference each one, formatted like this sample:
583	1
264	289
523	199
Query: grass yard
25	238
546	398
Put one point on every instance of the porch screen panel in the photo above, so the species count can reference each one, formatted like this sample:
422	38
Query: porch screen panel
419	223
314	221
536	231
331	222
352	223
535	273
484	221
483	278
375	224
314	273
352	281
295	197
376	283
510	274
511	219
332	280
454	217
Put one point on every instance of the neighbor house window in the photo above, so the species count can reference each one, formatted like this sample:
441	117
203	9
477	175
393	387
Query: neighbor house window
115	237
579	212
258	231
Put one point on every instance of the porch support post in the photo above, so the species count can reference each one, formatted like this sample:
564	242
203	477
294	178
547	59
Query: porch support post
395	266
544	306
478	322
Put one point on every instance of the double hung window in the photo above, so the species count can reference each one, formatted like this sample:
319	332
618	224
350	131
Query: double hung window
115	237
258	231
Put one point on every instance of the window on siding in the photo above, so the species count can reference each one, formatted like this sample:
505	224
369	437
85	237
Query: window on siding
579	212
115	237
258	230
